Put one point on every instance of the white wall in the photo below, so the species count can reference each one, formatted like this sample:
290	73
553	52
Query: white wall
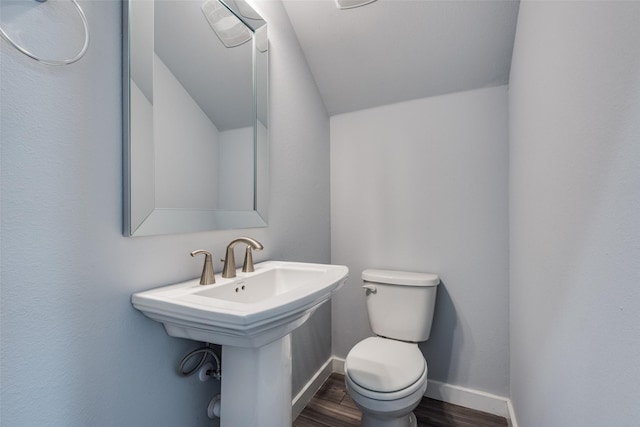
422	186
186	146
74	352
574	214
235	169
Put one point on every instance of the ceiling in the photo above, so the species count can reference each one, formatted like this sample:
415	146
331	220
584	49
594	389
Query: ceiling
397	50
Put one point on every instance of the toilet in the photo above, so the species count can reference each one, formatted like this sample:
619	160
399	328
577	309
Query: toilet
386	375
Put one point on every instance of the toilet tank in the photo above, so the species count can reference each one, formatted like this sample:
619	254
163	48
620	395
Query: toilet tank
400	304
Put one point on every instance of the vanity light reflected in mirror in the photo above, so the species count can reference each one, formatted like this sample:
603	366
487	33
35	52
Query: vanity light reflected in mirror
196	154
229	29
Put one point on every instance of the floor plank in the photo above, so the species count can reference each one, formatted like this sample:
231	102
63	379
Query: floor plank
333	407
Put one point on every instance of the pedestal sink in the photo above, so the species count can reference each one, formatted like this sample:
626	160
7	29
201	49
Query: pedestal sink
251	316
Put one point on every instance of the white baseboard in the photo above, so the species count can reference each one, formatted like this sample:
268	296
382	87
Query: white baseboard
457	395
305	395
469	398
512	415
338	365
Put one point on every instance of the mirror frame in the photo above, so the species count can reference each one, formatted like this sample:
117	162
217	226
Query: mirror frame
190	220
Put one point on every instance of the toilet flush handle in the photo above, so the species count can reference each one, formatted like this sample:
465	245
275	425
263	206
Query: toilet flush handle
370	289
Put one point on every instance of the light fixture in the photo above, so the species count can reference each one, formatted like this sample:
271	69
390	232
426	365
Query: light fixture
349	4
229	29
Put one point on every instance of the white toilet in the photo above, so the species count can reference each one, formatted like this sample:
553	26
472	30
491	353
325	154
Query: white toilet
386	375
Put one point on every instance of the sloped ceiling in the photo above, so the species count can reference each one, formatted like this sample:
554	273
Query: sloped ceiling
207	70
397	50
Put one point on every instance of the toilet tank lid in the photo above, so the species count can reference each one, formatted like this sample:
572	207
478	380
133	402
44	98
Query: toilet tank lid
393	277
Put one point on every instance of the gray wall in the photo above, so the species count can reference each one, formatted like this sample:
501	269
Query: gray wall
299	215
422	186
74	351
575	214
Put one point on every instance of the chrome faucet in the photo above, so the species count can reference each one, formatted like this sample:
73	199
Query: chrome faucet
207	277
229	269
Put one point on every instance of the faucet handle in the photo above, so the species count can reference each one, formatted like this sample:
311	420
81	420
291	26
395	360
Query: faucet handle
229	269
247	266
207	277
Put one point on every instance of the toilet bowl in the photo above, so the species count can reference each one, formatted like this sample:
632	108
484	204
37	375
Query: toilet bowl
386	379
386	375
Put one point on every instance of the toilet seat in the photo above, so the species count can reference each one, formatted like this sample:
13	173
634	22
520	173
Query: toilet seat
385	369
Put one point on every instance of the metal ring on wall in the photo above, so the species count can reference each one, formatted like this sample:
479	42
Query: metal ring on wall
54	61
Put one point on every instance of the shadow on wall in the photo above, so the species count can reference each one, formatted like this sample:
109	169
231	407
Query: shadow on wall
438	349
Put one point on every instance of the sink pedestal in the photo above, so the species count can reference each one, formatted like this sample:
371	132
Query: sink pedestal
256	385
251	317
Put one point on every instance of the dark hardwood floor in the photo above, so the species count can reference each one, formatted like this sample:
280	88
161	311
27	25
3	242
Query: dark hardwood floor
332	407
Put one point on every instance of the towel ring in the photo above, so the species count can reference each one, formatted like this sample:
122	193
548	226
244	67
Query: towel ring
55	61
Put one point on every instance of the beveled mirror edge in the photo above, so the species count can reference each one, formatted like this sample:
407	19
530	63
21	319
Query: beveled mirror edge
169	221
126	126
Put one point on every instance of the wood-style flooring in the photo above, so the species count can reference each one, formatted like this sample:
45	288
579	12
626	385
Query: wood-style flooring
332	407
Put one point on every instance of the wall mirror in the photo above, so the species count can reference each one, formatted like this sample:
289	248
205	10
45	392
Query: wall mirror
196	153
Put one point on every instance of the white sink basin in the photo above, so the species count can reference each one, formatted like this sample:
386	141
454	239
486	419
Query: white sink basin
250	310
